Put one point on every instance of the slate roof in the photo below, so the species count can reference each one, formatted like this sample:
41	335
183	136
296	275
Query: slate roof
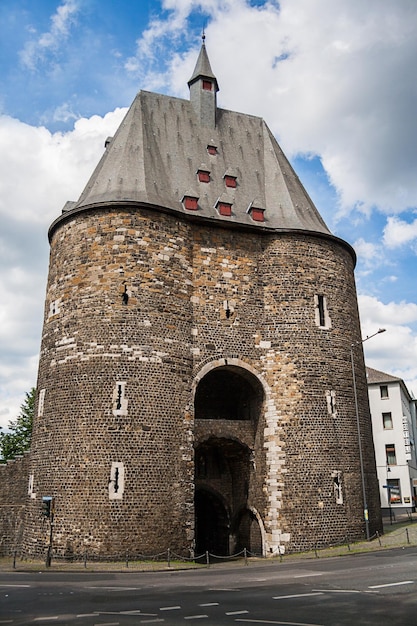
155	154
375	377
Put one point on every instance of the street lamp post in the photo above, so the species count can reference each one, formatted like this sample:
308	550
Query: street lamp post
358	426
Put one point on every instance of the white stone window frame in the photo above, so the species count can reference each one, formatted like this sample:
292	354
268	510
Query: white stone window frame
119	400
41	402
337	486
117	481
321	310
331	402
54	308
31	483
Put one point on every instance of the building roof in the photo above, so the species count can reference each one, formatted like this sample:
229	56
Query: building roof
155	155
375	377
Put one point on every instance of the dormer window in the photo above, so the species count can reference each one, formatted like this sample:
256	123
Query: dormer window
212	149
224	207
207	85
203	174
230	179
256	212
190	201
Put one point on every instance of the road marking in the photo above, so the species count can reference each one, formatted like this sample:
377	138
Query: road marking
116	588
209	604
6	621
265	621
169	608
14	585
107	624
308	575
195	616
403	582
151	621
236	612
337	590
87	615
45	619
298	595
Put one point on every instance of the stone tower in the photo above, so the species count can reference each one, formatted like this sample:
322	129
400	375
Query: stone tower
195	382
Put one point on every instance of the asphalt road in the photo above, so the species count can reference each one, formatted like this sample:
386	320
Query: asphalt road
375	588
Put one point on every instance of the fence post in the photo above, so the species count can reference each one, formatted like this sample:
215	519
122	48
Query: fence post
127	558
408	538
315	551
14	559
85	559
379	538
207	558
245	554
169	557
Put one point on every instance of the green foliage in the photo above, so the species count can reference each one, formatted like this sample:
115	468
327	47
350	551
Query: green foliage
17	441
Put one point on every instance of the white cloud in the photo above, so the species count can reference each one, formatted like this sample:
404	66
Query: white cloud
398	232
395	351
331	77
40	172
36	50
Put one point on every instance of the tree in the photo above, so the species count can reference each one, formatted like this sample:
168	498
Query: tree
17	441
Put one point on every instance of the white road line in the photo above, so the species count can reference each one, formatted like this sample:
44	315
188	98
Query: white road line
298	595
308	575
87	615
236	612
195	616
107	624
115	588
338	590
403	582
45	619
169	608
209	604
6	621
14	585
265	621
151	621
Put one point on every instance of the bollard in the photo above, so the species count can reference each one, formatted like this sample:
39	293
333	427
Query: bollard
207	558
169	557
14	559
245	556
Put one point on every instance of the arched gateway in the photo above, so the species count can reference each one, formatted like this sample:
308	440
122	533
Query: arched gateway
228	406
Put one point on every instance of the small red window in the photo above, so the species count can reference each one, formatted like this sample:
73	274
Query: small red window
257	214
230	181
212	149
190	203
203	177
225	209
207	85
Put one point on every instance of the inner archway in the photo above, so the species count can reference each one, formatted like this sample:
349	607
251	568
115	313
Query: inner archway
212	524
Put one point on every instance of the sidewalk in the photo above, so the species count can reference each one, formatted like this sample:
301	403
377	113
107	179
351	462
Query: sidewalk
400	533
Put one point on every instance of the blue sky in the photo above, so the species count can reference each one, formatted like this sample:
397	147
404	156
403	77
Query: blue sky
334	80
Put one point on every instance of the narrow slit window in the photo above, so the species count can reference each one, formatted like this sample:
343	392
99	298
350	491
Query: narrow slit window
331	403
337	487
117	481
41	402
321	312
120	401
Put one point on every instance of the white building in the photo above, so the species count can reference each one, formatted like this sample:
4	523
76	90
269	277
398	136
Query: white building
393	412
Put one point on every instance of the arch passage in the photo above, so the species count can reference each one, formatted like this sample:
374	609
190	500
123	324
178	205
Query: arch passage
229	393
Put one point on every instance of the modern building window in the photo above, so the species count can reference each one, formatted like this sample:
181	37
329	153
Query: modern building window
387	420
390	454
383	389
394	491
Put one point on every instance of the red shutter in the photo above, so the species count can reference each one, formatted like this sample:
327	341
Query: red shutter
203	177
207	85
190	203
257	215
230	181
225	209
212	150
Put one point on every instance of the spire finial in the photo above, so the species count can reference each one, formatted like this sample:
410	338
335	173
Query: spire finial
203	36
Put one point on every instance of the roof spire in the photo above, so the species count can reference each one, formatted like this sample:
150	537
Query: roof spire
203	88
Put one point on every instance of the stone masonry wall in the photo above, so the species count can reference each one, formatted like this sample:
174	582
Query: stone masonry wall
138	304
13	497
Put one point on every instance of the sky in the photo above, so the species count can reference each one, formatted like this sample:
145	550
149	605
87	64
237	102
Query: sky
335	80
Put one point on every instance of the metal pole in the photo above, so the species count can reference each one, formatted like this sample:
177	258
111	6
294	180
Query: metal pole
358	425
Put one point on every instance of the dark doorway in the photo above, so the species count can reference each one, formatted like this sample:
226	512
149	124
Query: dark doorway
212	524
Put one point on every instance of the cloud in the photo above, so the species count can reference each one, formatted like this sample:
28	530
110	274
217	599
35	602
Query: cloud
332	78
36	50
395	351
398	232
40	172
